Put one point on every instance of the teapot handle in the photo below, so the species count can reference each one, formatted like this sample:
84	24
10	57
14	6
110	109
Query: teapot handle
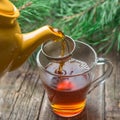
106	74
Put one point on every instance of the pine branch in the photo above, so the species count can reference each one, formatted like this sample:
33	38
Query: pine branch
90	22
25	6
96	22
68	18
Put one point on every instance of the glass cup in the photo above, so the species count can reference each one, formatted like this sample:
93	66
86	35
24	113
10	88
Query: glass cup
67	90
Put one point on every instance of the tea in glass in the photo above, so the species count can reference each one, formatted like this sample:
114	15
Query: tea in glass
67	94
69	79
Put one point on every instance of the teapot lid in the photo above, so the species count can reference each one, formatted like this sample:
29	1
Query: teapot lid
8	9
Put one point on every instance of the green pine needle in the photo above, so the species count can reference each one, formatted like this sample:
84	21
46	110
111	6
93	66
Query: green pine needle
96	22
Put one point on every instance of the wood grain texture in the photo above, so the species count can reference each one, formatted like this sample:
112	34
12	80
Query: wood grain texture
22	96
112	90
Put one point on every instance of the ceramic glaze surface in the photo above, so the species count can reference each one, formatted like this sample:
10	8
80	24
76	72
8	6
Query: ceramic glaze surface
16	47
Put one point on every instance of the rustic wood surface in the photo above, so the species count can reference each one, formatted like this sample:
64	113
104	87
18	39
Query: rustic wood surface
22	96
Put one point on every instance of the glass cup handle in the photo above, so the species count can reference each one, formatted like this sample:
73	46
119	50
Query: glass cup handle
106	74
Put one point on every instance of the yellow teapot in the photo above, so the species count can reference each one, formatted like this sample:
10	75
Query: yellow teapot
16	47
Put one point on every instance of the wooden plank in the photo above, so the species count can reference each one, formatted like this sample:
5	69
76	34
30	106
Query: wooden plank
95	106
9	85
95	103
22	98
112	90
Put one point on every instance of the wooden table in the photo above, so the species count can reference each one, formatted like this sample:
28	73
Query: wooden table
22	96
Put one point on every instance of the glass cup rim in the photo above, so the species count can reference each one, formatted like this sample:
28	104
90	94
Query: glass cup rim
55	74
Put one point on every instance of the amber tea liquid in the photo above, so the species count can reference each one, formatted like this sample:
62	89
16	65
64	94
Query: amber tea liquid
67	95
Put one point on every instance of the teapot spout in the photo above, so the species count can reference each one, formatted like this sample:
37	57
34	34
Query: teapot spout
30	41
